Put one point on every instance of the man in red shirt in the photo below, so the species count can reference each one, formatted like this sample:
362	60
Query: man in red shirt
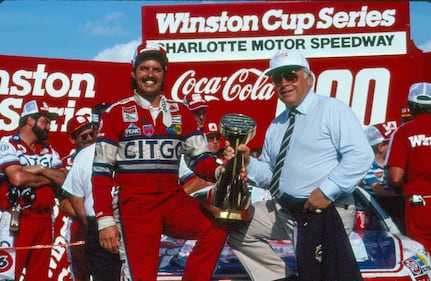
408	163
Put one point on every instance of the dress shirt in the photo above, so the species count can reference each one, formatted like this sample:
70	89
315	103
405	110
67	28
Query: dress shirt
328	149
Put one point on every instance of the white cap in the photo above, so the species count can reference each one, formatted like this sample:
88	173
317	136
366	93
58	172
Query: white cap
287	59
420	93
32	107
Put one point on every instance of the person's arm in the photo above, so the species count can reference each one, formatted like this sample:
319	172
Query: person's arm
20	176
355	153
395	177
194	184
66	207
102	179
382	192
77	204
55	176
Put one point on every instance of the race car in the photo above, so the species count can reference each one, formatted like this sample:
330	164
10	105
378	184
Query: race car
382	252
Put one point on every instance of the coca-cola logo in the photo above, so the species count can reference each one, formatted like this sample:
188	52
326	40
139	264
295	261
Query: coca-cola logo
245	84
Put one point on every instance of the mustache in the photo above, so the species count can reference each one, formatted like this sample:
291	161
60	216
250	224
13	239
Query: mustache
151	79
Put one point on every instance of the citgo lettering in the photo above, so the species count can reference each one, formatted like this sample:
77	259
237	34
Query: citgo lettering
152	149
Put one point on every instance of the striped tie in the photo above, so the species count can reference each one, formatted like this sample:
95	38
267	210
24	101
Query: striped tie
273	187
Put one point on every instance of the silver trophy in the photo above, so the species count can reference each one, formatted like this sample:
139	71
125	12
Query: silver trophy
230	197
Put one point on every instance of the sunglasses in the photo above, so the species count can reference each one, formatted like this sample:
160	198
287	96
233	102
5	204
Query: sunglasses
85	136
289	76
210	137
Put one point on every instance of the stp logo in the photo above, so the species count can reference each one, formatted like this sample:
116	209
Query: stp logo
6	261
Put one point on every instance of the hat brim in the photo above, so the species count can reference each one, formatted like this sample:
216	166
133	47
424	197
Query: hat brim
286	68
198	107
51	115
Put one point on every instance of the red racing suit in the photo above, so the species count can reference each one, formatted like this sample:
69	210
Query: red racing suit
410	149
36	203
145	156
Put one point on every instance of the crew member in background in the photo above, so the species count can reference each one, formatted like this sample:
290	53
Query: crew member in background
212	134
98	263
198	106
375	182
31	172
81	134
214	139
408	165
325	159
140	141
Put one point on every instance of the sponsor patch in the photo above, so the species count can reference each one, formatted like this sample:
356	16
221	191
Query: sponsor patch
173	107
148	130
176	119
178	129
132	130
130	114
413	265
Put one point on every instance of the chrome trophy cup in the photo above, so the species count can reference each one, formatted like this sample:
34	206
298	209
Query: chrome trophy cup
230	197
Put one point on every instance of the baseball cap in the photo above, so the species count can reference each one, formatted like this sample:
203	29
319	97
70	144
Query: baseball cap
420	93
150	51
77	123
287	60
379	133
42	108
211	128
195	101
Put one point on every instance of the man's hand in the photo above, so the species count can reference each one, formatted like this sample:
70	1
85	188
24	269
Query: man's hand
110	238
317	201
34	169
229	152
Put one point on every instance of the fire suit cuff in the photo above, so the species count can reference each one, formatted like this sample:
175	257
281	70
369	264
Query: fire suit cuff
105	222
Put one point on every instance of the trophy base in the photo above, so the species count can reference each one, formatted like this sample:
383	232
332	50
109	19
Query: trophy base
230	215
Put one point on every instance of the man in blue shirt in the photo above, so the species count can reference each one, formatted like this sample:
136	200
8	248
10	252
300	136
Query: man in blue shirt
327	157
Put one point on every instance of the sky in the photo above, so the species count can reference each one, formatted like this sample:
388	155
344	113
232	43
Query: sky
108	30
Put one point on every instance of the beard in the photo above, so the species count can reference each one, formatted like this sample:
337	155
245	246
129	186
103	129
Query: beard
40	134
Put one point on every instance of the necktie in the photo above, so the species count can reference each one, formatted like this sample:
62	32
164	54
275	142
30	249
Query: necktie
273	187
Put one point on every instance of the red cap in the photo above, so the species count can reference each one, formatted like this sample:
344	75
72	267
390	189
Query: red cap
76	123
211	127
195	101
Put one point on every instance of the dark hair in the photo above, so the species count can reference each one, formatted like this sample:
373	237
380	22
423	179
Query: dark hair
151	55
23	120
418	108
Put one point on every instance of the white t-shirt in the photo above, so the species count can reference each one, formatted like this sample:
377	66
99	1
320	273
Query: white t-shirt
78	180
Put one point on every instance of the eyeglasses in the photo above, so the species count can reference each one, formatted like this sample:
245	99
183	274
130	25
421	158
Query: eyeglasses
278	77
211	137
85	136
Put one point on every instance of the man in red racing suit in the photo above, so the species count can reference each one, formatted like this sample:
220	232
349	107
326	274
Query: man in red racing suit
31	172
138	149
